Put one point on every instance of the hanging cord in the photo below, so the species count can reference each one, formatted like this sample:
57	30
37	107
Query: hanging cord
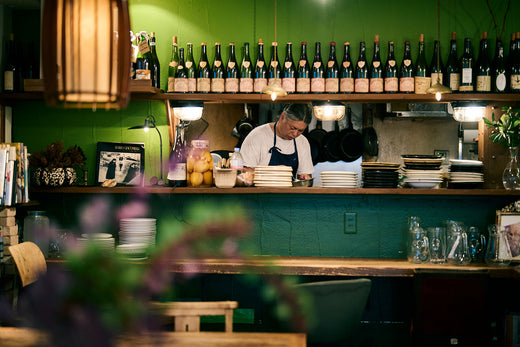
495	21
275	6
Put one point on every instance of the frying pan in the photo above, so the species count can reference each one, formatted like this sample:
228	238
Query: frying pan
370	141
329	145
315	137
350	141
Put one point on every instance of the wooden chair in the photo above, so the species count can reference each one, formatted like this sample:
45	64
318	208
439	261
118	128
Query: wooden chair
187	314
30	263
337	310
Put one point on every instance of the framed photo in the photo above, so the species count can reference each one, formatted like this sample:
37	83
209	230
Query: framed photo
123	162
510	222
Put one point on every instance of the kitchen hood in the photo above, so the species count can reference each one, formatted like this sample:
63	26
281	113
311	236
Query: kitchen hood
419	110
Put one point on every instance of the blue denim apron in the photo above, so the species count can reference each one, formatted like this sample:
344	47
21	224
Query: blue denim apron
278	158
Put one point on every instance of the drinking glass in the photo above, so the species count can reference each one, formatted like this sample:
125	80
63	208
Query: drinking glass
477	244
437	240
418	246
458	247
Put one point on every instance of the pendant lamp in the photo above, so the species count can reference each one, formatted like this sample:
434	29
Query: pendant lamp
438	88
275	89
86	53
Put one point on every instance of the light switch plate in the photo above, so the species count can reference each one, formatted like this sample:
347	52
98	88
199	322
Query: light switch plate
350	222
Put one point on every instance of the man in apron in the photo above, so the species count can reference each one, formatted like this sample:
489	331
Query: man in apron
281	143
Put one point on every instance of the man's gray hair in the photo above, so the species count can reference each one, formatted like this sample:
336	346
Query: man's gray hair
299	112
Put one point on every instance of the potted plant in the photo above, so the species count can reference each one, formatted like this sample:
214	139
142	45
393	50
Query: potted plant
55	167
506	131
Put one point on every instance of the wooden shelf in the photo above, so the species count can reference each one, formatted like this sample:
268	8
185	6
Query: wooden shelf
275	190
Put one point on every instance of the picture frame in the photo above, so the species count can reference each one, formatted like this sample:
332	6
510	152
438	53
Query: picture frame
122	162
510	222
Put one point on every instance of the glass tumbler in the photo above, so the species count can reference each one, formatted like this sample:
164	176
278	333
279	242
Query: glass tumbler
497	252
418	246
437	240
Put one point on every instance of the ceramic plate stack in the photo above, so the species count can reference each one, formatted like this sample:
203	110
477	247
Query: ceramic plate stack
339	179
104	241
135	236
273	176
422	171
466	174
380	175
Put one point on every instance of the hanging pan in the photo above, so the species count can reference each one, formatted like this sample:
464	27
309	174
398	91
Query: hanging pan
315	137
350	141
329	145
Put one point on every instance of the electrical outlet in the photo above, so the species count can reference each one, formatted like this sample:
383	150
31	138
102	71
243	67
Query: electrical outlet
350	223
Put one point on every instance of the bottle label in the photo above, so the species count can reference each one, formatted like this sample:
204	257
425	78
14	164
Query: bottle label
346	63
376	85
217	85
203	85
142	74
188	64
318	85
231	64
260	64
376	64
331	85
181	85
483	83
192	85
144	47
231	85
360	64
346	85
272	81
361	85
316	64
288	64
289	84
217	63
436	78
515	82
407	62
406	84
330	63
421	84
391	84
466	88
173	63
171	84
246	85
467	75
274	63
246	64
302	63
303	85
500	82
391	63
178	173
9	80
454	81
259	84
203	64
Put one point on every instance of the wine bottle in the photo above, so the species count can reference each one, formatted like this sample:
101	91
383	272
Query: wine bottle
177	163
376	69
466	66
422	76
498	71
390	71
406	71
303	82
172	66
453	66
289	70
155	66
181	77
317	72
260	74
436	67
361	84
346	71
483	69
231	71
274	71
191	69
217	72
510	57
12	71
515	67
246	72
332	71
144	59
203	73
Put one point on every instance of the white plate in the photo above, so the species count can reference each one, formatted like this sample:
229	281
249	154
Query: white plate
273	168
468	180
339	186
462	162
423	184
338	173
272	185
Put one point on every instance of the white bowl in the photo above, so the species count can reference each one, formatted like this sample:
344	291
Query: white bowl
225	178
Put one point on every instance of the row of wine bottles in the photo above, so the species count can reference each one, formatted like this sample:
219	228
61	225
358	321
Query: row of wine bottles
461	74
20	63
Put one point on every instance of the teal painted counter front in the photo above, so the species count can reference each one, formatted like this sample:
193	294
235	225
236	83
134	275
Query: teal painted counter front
301	224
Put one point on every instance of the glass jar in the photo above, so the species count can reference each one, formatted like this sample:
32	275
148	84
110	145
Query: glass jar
498	252
199	165
36	229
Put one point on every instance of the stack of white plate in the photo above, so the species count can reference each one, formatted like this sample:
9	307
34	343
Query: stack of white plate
104	241
339	179
137	231
423	178
273	176
466	173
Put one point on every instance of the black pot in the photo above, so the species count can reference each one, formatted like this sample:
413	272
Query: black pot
350	141
330	145
315	137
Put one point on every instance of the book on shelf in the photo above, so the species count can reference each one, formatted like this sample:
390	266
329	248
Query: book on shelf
14	175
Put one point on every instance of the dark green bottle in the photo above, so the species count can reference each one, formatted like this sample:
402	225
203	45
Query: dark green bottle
217	72
191	69
303	82
203	72
172	66
332	71
498	70
361	84
436	67
274	71
317	72
246	72
143	70
422	76
390	75
181	76
231	85
156	67
406	71
466	66
483	69
346	71
452	76
376	69
260	73
515	67
289	70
